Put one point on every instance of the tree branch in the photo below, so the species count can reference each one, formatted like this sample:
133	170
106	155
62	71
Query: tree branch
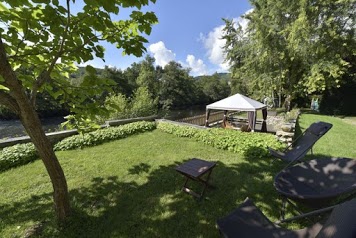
7	101
5	68
45	74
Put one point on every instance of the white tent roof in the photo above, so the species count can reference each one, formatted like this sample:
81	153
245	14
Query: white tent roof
237	102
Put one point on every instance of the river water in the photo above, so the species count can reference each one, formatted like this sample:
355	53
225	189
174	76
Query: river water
14	128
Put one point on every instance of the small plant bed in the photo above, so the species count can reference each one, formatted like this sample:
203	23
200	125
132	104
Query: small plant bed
248	144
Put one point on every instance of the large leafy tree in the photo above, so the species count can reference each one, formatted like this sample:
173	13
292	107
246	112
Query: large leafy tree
47	38
213	87
148	77
293	47
122	85
177	87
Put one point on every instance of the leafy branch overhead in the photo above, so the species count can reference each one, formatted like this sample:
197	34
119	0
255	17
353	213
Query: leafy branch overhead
40	43
48	38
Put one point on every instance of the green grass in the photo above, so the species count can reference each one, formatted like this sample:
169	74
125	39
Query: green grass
338	142
129	188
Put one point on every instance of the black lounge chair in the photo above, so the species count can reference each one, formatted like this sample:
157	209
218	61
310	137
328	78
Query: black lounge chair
300	146
248	221
317	183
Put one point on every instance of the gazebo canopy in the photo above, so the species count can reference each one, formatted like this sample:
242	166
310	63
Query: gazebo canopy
239	102
236	102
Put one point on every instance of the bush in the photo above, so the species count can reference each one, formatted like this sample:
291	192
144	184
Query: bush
140	105
118	106
17	155
292	115
247	144
21	154
103	135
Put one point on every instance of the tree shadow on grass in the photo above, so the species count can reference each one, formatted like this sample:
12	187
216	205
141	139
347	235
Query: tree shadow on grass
111	207
141	168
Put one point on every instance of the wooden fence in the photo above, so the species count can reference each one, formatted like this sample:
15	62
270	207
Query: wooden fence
200	119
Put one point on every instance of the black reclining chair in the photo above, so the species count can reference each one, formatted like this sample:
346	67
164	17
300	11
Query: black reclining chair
248	221
300	146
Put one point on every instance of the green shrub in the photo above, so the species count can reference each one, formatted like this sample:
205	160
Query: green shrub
103	135
17	155
121	107
292	115
142	103
118	106
252	145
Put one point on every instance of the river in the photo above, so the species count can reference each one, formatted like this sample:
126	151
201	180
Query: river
14	128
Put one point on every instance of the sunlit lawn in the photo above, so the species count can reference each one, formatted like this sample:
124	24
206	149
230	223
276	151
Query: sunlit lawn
129	188
340	141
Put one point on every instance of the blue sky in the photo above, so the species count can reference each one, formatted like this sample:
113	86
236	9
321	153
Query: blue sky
188	32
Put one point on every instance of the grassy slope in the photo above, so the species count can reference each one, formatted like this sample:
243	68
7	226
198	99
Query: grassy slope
129	188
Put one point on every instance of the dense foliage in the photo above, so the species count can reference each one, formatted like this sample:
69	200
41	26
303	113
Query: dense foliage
120	107
21	154
299	48
168	88
340	101
253	145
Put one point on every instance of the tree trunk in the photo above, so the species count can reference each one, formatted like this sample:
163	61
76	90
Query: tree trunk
32	124
18	101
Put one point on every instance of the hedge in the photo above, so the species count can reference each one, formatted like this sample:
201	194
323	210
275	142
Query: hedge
252	145
104	135
17	155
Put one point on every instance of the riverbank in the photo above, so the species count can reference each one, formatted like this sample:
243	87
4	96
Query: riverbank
13	128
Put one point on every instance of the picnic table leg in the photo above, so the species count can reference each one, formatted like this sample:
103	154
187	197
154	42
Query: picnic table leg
185	183
188	190
206	183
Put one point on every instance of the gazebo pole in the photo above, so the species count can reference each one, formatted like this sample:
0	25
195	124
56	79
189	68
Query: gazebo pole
251	116
264	123
207	114
224	119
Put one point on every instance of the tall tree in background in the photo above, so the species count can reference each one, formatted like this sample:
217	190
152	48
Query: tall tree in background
293	47
148	77
213	87
176	86
122	85
47	38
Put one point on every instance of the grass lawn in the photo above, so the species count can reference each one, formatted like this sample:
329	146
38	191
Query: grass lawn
340	141
128	188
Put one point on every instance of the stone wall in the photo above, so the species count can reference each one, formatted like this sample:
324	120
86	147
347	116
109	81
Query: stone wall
286	133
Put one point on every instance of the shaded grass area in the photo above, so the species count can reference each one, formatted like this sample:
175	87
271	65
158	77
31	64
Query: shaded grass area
129	188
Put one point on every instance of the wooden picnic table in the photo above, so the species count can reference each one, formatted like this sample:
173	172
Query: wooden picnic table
195	169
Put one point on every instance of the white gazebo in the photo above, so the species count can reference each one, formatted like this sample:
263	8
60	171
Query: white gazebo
239	102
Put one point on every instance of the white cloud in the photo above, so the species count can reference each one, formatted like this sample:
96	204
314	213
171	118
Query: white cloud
197	65
214	43
161	54
96	63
